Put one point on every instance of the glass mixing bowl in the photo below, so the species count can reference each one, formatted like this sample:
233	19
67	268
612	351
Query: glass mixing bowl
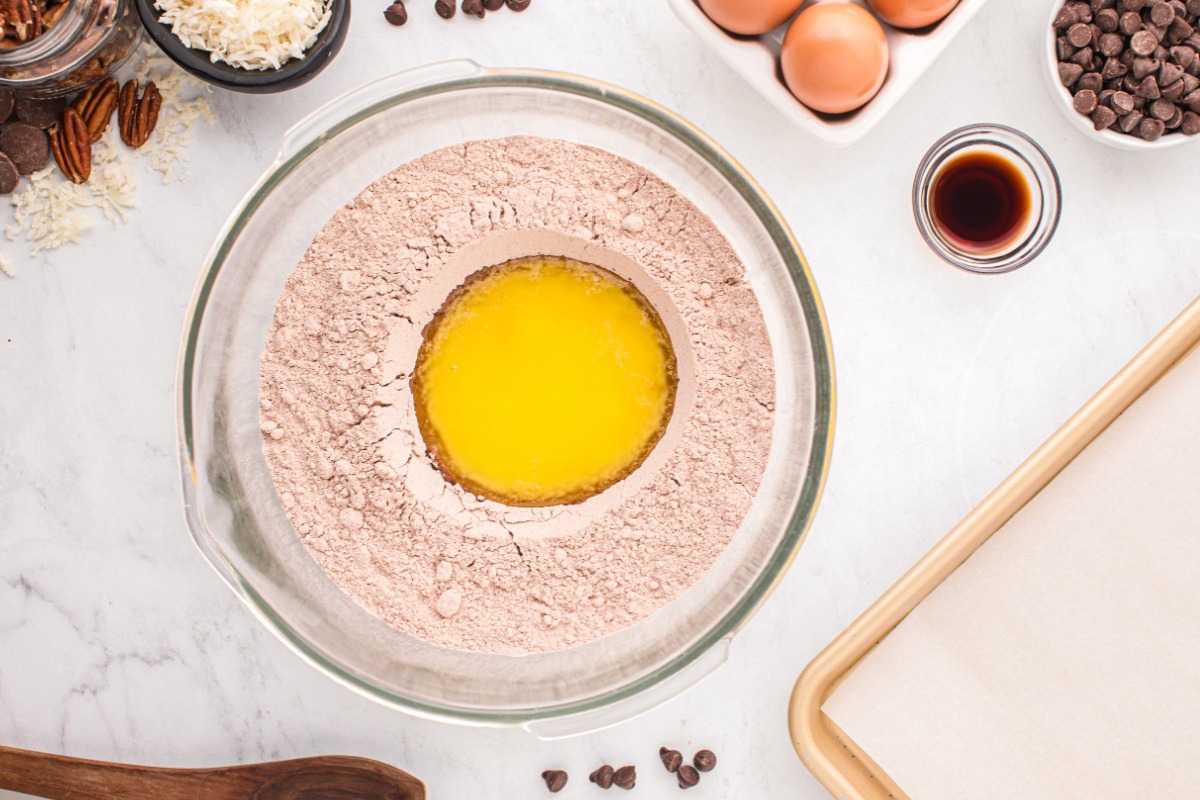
239	523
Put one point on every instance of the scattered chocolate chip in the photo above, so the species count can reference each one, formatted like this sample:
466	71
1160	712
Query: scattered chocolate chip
1103	117
688	776
396	13
10	176
705	760
1142	42
1151	129
474	8
26	145
493	5
42	112
625	777
555	779
602	777
1191	123
517	5
1085	101
445	8
671	758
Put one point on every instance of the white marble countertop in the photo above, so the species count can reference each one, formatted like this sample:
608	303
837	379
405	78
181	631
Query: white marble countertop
118	642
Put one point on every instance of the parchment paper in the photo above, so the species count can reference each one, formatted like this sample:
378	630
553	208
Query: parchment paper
1063	659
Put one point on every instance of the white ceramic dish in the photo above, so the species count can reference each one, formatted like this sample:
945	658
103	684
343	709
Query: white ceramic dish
755	59
1062	95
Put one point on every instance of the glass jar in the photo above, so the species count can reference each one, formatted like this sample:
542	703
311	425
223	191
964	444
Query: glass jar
90	40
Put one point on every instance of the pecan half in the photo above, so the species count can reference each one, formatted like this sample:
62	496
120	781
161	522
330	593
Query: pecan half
24	17
71	146
137	117
96	107
53	14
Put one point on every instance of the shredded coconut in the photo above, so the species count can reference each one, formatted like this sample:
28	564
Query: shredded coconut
6	265
250	34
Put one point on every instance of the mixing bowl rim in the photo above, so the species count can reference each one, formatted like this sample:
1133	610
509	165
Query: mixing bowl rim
803	284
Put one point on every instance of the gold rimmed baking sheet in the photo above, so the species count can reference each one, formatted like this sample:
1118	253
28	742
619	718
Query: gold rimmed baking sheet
845	768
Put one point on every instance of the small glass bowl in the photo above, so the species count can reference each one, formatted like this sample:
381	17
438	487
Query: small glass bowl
1034	164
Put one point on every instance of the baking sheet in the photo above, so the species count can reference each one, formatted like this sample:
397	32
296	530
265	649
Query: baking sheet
1062	660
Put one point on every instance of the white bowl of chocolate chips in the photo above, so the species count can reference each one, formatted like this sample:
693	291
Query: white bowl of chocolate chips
1127	72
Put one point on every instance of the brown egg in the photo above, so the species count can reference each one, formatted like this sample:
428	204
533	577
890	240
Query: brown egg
835	57
749	17
912	13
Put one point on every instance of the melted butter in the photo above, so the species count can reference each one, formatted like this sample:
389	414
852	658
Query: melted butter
543	381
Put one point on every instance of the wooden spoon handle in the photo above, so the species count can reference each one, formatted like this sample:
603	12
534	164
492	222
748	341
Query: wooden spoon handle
63	778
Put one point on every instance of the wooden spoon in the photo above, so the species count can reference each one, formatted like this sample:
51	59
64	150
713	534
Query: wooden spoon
320	778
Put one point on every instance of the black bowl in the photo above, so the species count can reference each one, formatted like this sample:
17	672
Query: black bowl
294	73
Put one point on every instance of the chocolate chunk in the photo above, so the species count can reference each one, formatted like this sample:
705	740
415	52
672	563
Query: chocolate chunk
1130	122
445	8
6	103
1121	102
602	777
1162	14
493	5
671	758
688	776
1162	109
1151	129
1085	101
1069	73
42	112
1174	92
1090	80
473	8
10	176
1107	19
1110	44
396	13
555	779
1191	123
517	5
1142	42
705	760
1103	117
625	777
1113	69
1149	89
1131	23
26	145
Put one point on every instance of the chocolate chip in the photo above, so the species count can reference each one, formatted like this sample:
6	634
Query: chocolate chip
1079	34
1162	14
26	145
1151	129
1103	117
1082	11
1121	102
1193	7
705	760
555	779
473	8
1182	55
1110	44
1090	80
1168	73
42	112
1064	19
1176	118
1130	5
1063	48
1191	123
1131	23
445	8
1085	101
1179	31
1190	83
1145	66
10	176
688	776
1112	69
6	103
671	758
517	5
1192	101
1085	58
625	777
1069	73
1149	89
1130	121
1174	92
602	777
1158	32
1100	5
1107	19
493	5
1142	42
396	13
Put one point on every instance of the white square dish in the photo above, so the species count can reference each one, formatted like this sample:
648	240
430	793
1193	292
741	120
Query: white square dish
756	60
